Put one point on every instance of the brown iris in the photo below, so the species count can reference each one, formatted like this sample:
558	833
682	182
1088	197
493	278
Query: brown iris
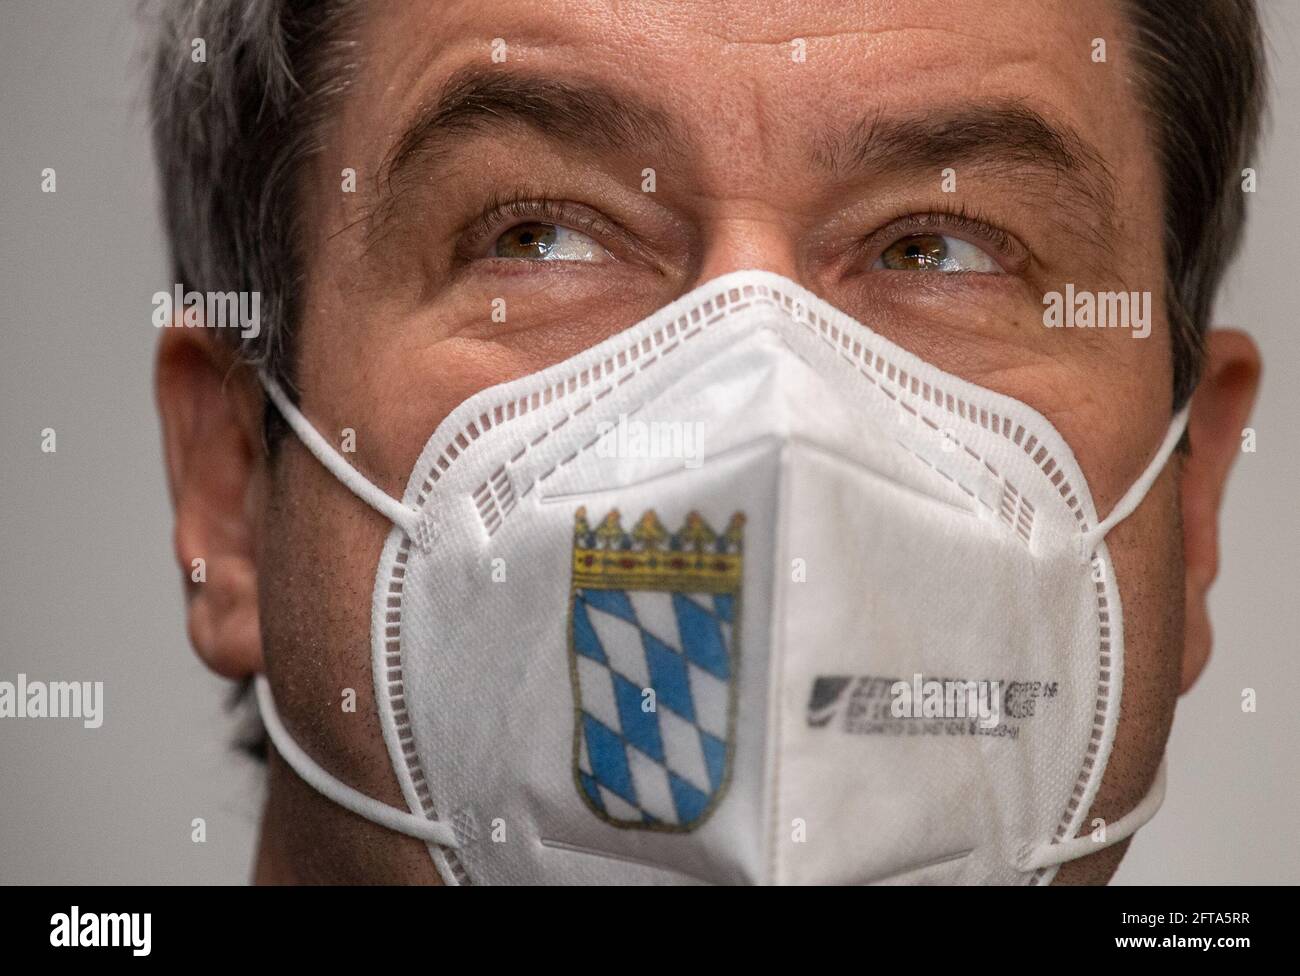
532	240
920	252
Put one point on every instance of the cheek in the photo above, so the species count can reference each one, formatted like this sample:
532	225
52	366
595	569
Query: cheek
321	546
1147	552
396	374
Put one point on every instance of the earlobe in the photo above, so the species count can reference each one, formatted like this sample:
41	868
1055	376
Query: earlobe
1220	408
210	419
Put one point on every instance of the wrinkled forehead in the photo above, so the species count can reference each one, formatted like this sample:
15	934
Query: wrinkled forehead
749	86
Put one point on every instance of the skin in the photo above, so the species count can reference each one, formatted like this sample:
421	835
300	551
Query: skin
390	307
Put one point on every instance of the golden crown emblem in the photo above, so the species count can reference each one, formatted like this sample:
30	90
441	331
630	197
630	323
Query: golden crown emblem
695	559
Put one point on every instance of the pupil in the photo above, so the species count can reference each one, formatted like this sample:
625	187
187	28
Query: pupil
921	251
531	240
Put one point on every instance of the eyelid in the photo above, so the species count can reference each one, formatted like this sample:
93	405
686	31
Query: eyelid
1002	246
501	215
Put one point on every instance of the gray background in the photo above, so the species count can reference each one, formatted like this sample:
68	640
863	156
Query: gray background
89	590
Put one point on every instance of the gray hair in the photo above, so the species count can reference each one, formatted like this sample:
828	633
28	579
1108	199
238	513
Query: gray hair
232	136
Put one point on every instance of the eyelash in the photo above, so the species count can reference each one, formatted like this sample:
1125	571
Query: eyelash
520	206
524	205
959	220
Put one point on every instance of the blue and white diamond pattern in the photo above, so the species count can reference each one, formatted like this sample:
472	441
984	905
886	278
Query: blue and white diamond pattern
663	767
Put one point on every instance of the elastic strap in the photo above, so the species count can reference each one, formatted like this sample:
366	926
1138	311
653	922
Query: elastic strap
429	831
411	520
1049	853
1089	541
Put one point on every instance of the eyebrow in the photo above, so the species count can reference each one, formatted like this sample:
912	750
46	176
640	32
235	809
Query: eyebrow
476	100
999	136
994	135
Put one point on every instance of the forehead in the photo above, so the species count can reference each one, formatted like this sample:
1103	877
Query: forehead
762	77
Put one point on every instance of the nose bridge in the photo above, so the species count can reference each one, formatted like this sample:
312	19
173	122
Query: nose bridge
752	234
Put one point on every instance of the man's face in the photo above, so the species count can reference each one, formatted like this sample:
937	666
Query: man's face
933	169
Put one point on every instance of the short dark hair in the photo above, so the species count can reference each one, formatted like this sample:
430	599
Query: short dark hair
1203	72
232	136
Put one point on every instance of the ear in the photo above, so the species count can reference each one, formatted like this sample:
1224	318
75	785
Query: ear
211	419
1220	408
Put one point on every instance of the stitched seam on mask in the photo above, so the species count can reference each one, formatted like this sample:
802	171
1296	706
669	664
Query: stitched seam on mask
499	413
496	498
1047	464
1019	517
1023	518
629	361
494	509
1013	509
397	700
1098	725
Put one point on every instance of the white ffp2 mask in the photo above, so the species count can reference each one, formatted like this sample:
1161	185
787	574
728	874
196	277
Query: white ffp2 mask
657	614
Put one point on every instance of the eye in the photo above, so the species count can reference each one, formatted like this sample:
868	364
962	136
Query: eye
935	252
537	241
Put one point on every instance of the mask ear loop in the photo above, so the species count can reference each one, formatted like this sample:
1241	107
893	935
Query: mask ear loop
412	521
429	831
1088	541
1052	853
1049	853
417	526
